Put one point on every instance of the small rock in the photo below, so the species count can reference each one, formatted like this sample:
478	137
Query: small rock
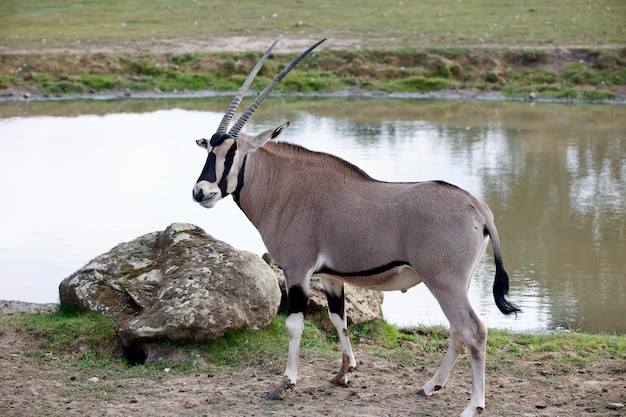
540	406
93	380
615	406
190	402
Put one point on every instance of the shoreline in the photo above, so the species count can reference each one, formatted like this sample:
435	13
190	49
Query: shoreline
18	96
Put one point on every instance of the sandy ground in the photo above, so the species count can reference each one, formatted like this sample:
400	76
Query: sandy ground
183	46
35	383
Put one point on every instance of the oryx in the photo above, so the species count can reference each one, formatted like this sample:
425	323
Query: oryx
320	215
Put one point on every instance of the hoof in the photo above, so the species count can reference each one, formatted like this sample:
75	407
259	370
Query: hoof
342	375
278	393
423	393
341	380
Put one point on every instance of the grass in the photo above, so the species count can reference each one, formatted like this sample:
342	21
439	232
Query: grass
88	342
378	23
591	74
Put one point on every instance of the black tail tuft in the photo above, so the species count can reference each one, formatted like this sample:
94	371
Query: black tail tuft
501	288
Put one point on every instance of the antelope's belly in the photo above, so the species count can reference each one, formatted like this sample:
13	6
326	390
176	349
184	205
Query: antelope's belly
400	277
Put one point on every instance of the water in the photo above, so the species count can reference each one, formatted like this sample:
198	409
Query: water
76	178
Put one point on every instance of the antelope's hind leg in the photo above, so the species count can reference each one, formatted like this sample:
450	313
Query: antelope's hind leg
440	379
465	328
335	296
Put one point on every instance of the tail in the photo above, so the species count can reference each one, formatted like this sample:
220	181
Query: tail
501	283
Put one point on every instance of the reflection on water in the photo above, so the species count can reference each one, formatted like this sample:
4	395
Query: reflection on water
77	178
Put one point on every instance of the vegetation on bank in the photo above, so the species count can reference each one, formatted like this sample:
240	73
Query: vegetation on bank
584	74
563	49
89	343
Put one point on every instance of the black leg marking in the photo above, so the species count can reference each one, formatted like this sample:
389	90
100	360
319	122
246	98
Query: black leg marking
336	303
296	300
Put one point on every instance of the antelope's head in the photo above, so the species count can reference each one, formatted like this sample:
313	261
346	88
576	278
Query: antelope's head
228	149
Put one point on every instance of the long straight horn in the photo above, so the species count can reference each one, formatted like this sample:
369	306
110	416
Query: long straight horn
240	123
228	116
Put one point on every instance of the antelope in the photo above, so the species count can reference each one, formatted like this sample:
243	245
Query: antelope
319	215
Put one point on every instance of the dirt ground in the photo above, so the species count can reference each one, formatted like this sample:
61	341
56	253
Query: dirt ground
183	46
39	384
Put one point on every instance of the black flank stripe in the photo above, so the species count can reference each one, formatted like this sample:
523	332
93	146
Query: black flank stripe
373	271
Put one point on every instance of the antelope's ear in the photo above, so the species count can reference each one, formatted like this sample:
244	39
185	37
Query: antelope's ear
203	143
255	142
279	130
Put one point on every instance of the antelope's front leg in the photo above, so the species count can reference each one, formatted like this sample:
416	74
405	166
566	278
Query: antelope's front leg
296	307
336	312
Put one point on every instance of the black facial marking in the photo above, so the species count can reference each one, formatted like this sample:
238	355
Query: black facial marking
296	300
208	172
228	164
218	138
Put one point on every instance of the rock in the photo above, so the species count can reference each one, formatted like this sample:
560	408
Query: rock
190	403
361	304
176	284
615	406
11	307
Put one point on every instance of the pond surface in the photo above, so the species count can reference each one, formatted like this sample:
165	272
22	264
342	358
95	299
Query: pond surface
76	178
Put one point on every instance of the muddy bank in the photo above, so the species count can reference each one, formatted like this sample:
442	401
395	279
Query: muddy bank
17	96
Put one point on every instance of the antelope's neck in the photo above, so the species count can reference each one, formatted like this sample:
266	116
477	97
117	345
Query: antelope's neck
266	187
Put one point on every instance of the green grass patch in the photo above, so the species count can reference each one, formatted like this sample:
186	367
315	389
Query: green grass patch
86	342
387	23
61	330
517	73
561	353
